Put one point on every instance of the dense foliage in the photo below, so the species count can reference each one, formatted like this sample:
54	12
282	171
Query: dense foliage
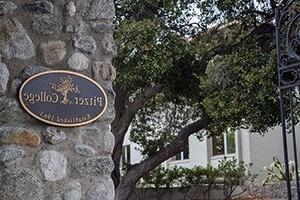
240	87
233	88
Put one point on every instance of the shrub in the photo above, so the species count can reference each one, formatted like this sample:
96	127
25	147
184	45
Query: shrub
199	181
233	175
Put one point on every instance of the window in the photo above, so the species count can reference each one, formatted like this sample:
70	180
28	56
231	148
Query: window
126	157
184	155
224	144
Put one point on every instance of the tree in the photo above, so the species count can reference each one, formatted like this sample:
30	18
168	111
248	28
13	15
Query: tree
218	72
65	87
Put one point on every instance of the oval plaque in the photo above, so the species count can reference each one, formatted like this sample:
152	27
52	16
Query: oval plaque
63	98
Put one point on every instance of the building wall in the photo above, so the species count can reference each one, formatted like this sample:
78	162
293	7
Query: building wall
252	148
199	151
198	154
244	146
136	156
263	148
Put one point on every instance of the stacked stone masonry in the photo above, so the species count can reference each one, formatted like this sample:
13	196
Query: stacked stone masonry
39	161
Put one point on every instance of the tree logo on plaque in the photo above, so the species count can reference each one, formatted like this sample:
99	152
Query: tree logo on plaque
65	86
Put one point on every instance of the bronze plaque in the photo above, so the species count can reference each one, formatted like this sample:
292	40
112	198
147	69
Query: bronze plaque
63	98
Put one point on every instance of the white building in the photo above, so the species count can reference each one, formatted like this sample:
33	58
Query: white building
244	146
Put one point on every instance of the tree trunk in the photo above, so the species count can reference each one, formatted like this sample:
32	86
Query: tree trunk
116	175
125	112
129	180
119	129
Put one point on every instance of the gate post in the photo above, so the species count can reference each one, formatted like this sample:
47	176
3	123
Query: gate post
48	161
288	61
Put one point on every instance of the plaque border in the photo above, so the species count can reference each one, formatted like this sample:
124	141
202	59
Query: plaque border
62	124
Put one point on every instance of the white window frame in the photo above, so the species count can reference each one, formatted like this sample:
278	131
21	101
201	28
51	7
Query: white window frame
226	154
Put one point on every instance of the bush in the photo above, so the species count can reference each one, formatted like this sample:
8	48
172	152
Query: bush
233	175
199	181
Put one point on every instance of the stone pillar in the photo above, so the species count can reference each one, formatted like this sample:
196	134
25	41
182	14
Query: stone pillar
39	161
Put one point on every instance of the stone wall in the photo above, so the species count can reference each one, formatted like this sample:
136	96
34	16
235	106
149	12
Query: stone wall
38	161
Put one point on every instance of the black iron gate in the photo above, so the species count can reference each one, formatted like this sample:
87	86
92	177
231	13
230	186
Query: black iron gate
288	59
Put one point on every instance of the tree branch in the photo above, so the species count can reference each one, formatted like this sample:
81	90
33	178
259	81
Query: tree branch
137	171
141	98
264	28
273	5
131	108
